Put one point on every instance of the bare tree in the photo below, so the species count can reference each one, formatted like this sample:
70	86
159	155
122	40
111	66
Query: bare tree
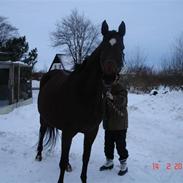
136	63
76	35
7	31
177	57
174	64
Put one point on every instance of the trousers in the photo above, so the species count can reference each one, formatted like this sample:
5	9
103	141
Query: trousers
115	138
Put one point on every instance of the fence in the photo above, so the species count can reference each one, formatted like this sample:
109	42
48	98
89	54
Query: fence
15	85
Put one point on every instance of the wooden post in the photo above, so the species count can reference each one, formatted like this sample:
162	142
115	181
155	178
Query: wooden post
18	92
11	83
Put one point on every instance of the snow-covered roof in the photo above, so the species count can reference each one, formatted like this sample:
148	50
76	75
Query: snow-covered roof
13	63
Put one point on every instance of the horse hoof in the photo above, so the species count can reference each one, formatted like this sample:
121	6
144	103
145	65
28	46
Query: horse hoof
38	158
68	168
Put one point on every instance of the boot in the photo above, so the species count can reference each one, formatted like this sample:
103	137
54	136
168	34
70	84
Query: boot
108	165
123	167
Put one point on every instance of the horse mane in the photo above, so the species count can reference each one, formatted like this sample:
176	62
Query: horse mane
85	66
80	67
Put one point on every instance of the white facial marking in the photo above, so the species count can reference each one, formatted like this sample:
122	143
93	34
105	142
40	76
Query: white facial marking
112	41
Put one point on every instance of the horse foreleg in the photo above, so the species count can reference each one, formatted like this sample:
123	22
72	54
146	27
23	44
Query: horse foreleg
66	144
42	132
89	138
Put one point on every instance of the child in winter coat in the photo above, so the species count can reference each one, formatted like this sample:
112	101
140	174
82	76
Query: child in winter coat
115	123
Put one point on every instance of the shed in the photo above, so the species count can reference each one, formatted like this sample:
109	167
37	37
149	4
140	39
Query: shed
57	62
15	85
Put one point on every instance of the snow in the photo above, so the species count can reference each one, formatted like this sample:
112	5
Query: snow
35	84
154	136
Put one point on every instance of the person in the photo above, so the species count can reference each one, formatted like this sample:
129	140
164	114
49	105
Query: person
115	123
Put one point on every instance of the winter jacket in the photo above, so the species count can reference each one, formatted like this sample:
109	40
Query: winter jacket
115	112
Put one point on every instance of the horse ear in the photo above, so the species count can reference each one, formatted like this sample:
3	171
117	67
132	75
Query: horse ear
105	28
122	29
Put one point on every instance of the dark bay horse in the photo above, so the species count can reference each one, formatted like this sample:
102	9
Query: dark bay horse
74	103
53	133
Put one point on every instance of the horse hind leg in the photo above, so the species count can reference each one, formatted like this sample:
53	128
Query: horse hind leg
64	161
42	132
89	138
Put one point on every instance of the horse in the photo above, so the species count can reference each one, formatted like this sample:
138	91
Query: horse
73	103
44	127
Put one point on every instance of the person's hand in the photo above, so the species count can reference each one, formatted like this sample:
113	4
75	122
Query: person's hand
109	95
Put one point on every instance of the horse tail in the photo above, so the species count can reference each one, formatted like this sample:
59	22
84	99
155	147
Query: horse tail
51	137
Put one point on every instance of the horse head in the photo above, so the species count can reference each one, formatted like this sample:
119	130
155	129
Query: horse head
112	56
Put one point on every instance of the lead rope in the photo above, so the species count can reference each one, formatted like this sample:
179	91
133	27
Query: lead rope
109	102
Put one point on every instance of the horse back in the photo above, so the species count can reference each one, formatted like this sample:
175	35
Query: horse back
51	74
50	84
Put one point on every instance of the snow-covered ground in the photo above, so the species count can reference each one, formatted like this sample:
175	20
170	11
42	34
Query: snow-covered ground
155	137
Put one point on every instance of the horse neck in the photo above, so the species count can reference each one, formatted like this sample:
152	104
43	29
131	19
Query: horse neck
92	67
89	78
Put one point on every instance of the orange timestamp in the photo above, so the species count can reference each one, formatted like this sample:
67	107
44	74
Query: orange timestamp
167	166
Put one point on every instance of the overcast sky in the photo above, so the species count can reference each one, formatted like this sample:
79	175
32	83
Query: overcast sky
152	25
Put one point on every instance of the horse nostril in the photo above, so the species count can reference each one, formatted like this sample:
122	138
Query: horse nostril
109	61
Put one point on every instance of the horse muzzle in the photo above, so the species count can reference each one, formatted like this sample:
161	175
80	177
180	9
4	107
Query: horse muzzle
110	67
110	71
109	79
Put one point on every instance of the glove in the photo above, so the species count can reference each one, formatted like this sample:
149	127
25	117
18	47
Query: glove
109	95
